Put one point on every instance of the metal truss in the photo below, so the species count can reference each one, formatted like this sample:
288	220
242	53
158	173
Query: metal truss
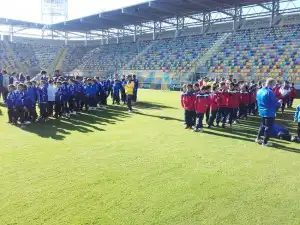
226	13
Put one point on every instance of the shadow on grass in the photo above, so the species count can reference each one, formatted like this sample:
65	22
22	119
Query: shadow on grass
58	129
151	105
159	117
247	130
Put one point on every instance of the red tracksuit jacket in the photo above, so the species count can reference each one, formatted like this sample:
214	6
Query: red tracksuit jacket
188	100
223	99
214	101
277	92
293	92
244	98
201	104
252	96
233	99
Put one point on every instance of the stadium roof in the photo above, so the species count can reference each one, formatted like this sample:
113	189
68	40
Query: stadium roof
157	10
20	23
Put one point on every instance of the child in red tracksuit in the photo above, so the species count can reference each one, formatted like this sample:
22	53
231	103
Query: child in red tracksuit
223	104
233	103
244	100
188	103
293	94
214	106
276	91
252	100
202	101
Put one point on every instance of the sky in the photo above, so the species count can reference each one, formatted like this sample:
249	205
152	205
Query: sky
30	10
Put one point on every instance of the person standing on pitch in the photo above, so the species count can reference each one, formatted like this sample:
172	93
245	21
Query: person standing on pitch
267	107
129	92
136	86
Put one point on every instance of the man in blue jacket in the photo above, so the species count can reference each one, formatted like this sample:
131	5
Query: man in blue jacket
267	106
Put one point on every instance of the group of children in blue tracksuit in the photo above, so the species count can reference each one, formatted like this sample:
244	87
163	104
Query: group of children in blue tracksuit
60	97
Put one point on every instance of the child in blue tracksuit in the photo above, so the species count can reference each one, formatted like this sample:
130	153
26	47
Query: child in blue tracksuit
123	94
116	91
65	98
103	93
31	99
58	107
297	119
43	100
79	94
72	92
10	102
19	104
91	91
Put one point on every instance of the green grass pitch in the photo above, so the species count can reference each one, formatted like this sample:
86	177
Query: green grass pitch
111	167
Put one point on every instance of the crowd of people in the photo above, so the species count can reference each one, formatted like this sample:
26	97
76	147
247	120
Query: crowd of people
59	96
224	102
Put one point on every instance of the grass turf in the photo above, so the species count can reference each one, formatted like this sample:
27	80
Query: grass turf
111	167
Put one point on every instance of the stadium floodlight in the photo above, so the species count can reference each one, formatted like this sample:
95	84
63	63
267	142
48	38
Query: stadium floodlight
53	11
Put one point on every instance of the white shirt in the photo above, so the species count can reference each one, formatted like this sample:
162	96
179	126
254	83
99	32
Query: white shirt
51	93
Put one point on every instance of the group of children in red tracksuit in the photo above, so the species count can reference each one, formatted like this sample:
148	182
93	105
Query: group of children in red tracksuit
223	103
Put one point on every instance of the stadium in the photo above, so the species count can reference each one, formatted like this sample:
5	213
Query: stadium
89	159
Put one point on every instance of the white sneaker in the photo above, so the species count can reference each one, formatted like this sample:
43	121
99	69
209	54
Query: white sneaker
201	130
259	141
27	122
130	111
74	113
269	144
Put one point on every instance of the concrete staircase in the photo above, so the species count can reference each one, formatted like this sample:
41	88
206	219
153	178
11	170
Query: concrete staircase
58	61
21	67
213	50
140	54
201	66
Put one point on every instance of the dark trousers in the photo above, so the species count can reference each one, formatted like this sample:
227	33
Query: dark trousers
291	102
50	108
92	101
20	114
71	104
199	123
189	117
116	98
232	113
243	111
251	108
65	108
284	103
129	102
31	115
58	109
78	101
3	93
103	99
134	95
298	130
207	114
11	115
44	110
212	118
222	115
265	128
123	96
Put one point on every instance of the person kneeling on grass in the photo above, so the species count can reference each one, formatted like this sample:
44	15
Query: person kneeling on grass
279	132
